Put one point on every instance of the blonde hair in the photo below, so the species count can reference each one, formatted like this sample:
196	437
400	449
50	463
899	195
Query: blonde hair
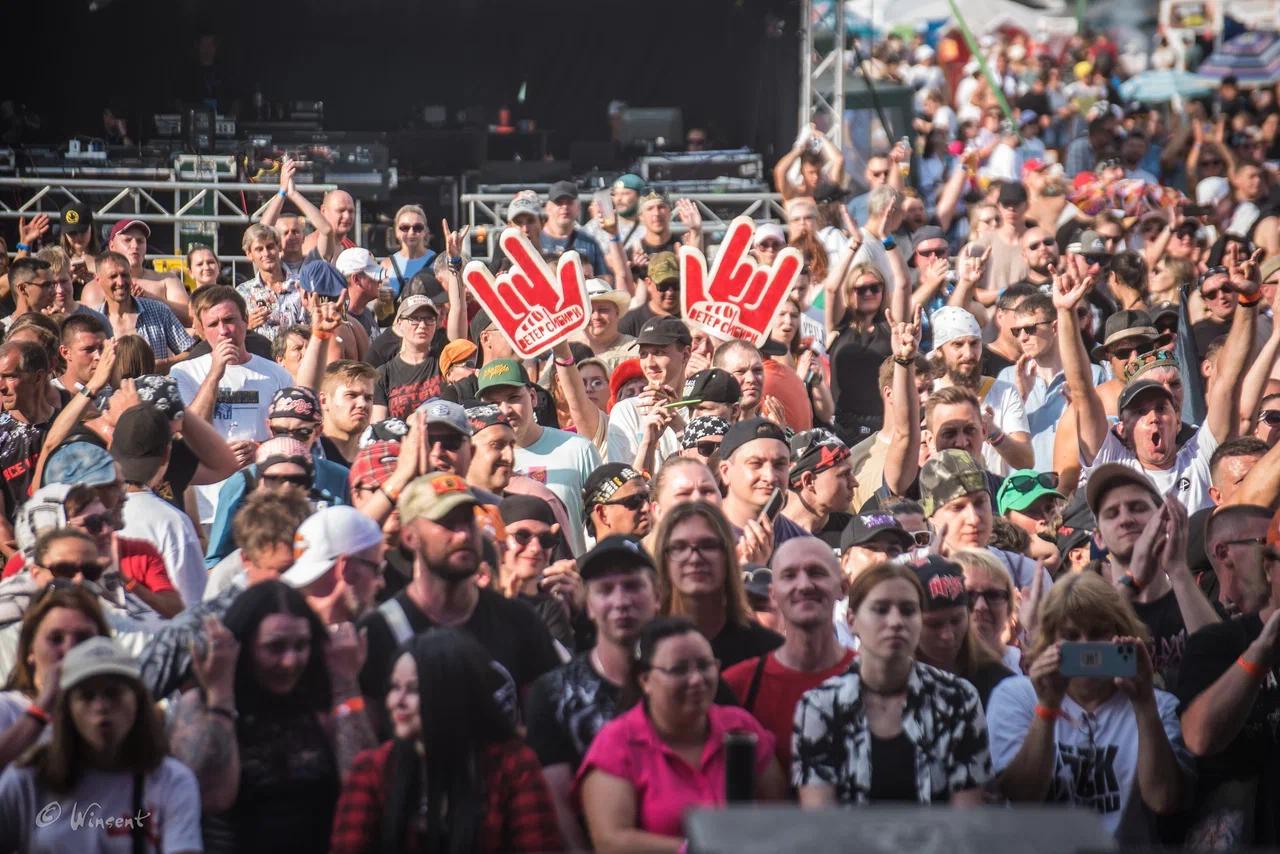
412	209
257	232
56	257
1091	604
983	559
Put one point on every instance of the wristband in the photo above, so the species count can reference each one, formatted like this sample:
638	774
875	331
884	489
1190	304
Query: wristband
85	393
455	263
995	438
564	363
353	706
38	713
906	363
22	247
889	242
392	498
1257	671
222	712
130	584
1047	713
614	239
1253	300
321	334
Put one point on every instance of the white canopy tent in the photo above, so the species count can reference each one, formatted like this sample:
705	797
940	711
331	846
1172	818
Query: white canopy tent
982	16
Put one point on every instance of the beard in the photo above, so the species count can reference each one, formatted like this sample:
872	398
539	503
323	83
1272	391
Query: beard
965	376
447	571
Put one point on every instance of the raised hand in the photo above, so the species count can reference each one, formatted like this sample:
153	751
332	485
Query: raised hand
30	232
533	307
326	317
1029	606
453	240
688	213
739	298
215	667
1047	680
561	580
1024	375
288	168
345	655
102	370
1145	562
1140	688
1068	289
905	340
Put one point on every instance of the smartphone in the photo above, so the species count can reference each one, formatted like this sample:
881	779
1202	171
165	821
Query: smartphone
1196	210
1099	660
774	505
604	205
975	250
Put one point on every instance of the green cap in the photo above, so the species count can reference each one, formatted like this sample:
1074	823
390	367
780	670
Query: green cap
1024	487
501	372
663	267
629	181
948	476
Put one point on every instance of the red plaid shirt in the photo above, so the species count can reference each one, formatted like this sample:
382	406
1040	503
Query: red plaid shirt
519	814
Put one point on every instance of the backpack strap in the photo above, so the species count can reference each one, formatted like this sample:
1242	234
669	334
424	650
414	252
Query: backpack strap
753	689
397	620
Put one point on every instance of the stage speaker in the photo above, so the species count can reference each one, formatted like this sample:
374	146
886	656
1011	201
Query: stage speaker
761	829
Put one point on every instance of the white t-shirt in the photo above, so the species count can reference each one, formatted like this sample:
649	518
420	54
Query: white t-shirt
244	395
97	816
1096	756
149	517
562	462
1190	471
227	572
1004	400
626	431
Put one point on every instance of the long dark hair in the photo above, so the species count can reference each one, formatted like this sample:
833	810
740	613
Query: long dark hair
654	633
250	608
458	689
23	677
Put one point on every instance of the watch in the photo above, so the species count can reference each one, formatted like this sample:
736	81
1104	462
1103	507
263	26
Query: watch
889	242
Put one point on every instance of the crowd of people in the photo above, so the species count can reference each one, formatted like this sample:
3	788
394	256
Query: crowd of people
313	562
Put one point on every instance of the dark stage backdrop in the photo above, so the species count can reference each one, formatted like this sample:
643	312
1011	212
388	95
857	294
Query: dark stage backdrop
374	61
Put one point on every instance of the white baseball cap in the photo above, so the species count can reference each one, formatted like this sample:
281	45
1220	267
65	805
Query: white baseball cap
324	537
765	230
1210	191
951	322
357	259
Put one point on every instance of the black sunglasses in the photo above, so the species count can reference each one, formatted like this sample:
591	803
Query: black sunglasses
634	503
940	252
993	597
1026	482
1048	241
302	434
65	569
94	524
668	286
523	538
1096	259
298	480
1030	328
448	441
867	290
707	448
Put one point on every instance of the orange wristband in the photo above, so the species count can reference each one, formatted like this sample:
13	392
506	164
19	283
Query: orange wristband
1257	671
1253	300
323	335
352	706
38	713
1046	713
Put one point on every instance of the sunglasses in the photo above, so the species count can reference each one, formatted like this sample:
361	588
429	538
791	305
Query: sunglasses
940	252
302	434
707	449
868	290
923	538
1122	354
1271	417
770	245
634	503
70	569
668	286
992	597
1029	329
523	538
1048	242
93	524
1025	483
416	228
1096	259
1204	161
298	480
447	441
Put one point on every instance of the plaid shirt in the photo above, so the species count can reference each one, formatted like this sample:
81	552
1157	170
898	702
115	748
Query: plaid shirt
518	814
158	326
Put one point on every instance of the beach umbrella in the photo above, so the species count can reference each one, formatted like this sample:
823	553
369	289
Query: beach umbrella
1253	58
1161	85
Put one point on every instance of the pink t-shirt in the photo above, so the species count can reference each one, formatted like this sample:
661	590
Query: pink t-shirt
666	786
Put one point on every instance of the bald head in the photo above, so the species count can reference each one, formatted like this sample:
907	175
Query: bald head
340	210
806	584
803	549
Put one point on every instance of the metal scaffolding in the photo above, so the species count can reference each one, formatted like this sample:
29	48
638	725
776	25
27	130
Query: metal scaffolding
822	67
176	203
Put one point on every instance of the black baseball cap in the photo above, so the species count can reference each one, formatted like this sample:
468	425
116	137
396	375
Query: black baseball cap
1137	388
617	553
865	527
661	331
1012	194
561	189
1108	476
141	438
748	431
713	385
479	324
943	582
75	218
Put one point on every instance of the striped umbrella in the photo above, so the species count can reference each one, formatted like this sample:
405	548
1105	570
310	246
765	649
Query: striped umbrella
1253	58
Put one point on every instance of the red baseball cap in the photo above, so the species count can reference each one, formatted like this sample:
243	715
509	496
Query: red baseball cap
373	465
125	225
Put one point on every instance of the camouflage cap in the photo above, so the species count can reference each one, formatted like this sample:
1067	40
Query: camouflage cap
948	476
663	267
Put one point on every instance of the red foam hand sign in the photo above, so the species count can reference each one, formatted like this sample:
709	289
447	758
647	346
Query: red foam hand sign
533	307
739	298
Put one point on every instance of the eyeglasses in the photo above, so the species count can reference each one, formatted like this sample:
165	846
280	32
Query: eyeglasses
770	245
1271	417
522	539
416	227
937	252
668	286
707	448
1029	329
992	597
302	434
94	523
1025	483
1048	243
420	320
634	503
702	666
922	538
70	569
868	290
298	480
1212	295
680	551
447	441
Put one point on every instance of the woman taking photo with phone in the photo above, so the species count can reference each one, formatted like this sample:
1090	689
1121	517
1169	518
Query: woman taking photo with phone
1109	742
891	729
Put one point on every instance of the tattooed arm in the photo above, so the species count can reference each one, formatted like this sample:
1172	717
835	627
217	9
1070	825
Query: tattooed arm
205	741
349	726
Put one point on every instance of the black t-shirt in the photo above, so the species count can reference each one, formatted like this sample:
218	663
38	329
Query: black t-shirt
738	643
566	708
893	764
258	345
635	318
986	678
397	572
402	387
1163	619
1255	751
20	445
993	363
387	345
830	533
1207	331
671	244
508	629
855	363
